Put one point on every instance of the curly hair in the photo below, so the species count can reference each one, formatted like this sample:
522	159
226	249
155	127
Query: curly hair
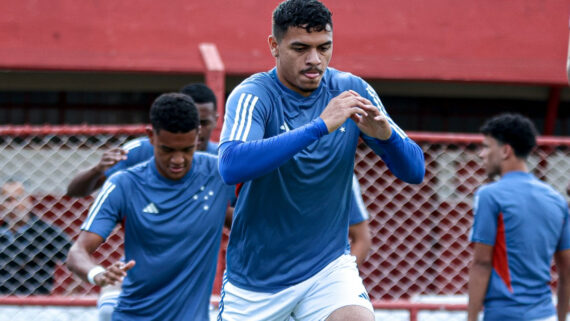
309	14
514	130
174	112
200	93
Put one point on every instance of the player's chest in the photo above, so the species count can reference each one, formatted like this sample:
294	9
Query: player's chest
177	210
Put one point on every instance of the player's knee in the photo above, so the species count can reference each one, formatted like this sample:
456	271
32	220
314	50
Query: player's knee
105	312
351	313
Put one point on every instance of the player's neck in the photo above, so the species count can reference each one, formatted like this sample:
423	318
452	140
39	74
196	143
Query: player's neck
513	165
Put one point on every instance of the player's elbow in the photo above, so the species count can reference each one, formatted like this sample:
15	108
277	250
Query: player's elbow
71	259
417	176
72	192
227	174
414	174
229	164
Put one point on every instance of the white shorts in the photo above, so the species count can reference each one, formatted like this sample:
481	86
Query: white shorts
335	286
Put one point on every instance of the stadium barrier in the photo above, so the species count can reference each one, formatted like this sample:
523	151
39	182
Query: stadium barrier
419	232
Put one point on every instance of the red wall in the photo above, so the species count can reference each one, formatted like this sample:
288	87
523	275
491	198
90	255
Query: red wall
486	40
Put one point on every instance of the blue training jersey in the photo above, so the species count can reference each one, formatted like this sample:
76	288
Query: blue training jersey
526	221
291	222
172	231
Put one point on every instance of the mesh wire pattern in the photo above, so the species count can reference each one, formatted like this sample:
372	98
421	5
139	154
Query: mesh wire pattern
420	233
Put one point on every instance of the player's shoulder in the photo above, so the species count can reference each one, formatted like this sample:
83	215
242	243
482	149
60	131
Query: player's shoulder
549	191
343	80
141	142
130	174
206	163
488	190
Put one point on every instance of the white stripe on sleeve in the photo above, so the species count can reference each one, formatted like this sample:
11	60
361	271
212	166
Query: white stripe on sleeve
249	118
236	118
105	191
378	104
242	120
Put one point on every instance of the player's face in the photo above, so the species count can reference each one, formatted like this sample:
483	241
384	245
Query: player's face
173	152
491	153
302	57
15	204
208	119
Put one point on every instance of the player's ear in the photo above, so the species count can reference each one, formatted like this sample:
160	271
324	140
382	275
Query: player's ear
150	134
507	151
273	46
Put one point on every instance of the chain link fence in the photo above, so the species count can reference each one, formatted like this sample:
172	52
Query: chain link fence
420	233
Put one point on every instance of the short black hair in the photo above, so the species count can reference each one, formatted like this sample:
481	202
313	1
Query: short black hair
514	130
174	112
200	93
309	14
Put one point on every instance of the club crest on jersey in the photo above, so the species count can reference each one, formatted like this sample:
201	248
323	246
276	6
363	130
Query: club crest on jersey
151	209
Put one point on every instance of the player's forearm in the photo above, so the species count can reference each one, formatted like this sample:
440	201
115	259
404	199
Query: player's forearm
244	161
563	297
79	261
563	290
404	157
360	250
478	280
85	182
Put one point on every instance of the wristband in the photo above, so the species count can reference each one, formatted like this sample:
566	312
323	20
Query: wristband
93	272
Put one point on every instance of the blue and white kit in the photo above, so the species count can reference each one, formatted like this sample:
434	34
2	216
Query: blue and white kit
172	231
291	218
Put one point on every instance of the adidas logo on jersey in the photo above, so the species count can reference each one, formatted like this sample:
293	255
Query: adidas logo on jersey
150	208
284	127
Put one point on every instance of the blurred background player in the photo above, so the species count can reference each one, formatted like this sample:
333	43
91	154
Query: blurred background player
520	223
290	136
172	208
30	248
140	149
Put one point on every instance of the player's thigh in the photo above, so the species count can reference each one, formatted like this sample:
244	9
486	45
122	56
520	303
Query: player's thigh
238	304
351	313
337	288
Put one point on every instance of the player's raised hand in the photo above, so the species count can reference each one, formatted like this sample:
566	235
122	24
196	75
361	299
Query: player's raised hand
110	158
344	106
114	274
375	123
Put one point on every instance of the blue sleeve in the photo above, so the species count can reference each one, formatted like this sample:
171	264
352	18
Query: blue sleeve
403	156
139	150
244	161
358	212
486	214
105	212
564	242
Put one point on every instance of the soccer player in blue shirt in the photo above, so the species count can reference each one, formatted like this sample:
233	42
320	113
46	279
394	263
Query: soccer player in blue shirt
290	137
520	224
172	209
